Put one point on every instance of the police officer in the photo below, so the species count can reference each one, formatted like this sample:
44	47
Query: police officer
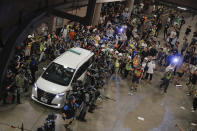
20	80
117	65
127	68
195	101
69	111
8	85
166	80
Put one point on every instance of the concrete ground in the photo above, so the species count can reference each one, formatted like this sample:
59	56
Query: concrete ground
160	111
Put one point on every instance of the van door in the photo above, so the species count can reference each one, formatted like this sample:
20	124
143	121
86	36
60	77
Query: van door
81	72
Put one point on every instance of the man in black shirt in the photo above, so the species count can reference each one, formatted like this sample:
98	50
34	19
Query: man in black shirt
153	51
188	30
193	82
165	31
193	59
69	111
144	54
182	22
8	87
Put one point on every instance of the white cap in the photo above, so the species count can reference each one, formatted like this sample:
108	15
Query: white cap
29	36
129	57
103	50
107	49
116	52
111	50
145	58
120	54
103	45
96	45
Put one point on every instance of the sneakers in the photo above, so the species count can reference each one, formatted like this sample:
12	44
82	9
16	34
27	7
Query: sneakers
83	120
66	125
189	94
192	109
133	89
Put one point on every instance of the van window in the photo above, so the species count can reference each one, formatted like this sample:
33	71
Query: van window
58	74
82	69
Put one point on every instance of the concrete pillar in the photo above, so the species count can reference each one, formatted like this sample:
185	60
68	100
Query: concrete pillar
97	13
129	5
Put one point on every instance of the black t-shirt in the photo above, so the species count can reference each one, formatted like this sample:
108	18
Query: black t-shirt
188	30
145	53
193	60
166	27
153	52
194	78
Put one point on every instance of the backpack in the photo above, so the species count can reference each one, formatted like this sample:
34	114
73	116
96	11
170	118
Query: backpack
146	67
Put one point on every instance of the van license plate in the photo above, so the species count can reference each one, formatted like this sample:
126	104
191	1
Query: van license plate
44	100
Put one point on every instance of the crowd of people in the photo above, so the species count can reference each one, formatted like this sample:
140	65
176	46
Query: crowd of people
132	46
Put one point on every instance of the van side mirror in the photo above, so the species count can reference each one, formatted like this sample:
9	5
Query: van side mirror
44	68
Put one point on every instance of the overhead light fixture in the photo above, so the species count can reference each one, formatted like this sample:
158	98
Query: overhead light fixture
182	8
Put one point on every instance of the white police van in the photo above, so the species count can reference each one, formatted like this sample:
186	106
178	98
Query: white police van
51	87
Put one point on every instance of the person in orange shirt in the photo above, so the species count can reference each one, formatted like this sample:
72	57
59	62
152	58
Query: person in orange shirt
116	46
71	34
181	72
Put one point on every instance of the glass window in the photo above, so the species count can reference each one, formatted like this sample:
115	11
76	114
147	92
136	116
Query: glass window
82	69
59	21
58	74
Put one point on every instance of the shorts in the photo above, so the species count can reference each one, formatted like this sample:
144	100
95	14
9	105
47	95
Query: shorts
135	80
116	70
180	74
191	87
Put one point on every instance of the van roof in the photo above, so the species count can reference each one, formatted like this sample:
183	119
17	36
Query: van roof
76	55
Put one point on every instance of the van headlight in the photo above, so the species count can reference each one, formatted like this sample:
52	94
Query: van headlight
59	95
35	87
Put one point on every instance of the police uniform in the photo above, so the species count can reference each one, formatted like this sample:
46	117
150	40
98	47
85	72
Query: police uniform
195	101
166	81
127	68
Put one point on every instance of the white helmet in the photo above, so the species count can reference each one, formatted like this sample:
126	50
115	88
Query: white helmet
96	45
103	46
129	57
145	58
103	50
120	54
107	49
29	36
111	50
116	52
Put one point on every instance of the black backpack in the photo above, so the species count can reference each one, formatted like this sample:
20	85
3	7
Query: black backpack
146	67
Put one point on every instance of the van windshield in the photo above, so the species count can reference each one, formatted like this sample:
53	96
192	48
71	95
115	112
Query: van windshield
58	74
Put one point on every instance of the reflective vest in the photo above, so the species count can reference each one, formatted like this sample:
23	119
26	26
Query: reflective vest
195	95
117	65
167	52
168	76
68	26
154	31
41	47
128	66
